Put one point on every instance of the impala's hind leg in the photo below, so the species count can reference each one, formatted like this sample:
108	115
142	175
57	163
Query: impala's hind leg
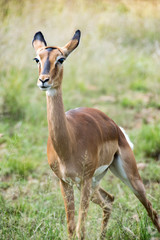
141	195
124	166
104	200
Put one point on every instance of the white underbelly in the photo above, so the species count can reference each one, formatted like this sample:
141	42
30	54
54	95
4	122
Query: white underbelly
98	175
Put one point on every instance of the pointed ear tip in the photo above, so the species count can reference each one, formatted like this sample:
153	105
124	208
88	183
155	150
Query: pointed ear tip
78	31
35	35
38	33
77	35
39	36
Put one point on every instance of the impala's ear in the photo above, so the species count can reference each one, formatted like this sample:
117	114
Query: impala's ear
72	44
38	41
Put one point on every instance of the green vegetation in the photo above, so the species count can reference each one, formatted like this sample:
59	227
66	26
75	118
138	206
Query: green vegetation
115	69
148	147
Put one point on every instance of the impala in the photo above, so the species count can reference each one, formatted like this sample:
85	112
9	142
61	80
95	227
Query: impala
83	144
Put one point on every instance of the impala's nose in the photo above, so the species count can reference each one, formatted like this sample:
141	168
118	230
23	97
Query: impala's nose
44	81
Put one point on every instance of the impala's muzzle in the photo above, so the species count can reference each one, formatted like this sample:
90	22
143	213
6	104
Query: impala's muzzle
44	84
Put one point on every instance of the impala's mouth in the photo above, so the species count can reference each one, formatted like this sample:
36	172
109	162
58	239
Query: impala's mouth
43	87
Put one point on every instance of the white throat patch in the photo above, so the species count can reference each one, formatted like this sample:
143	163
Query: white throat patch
51	92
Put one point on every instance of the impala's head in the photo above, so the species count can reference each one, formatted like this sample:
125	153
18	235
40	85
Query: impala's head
50	60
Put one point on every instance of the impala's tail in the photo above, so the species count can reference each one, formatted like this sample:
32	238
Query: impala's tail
127	138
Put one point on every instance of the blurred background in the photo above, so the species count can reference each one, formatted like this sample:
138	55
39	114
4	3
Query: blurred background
116	68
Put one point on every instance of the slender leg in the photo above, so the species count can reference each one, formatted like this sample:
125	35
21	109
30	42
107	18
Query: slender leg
141	195
124	166
104	200
84	204
68	197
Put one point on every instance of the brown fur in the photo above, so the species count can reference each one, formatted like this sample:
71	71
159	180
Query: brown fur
81	141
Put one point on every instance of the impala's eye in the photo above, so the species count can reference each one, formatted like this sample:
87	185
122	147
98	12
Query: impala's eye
36	59
61	60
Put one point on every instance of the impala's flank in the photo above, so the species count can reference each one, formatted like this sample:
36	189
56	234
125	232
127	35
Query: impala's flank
83	143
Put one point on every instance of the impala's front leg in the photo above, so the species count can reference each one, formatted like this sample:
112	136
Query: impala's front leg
68	197
84	204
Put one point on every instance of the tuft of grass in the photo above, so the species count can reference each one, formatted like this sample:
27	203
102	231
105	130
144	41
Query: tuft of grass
131	103
22	156
154	104
122	8
148	141
13	99
139	85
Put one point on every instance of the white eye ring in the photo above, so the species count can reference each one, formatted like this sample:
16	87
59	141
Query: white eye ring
37	59
60	60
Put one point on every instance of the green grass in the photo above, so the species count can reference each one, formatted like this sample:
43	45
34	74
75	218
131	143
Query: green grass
149	139
115	69
139	85
131	103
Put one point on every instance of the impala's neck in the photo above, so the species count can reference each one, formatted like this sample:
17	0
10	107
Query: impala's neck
57	123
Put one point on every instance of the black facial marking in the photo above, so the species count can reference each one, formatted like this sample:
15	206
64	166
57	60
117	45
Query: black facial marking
46	66
49	49
39	36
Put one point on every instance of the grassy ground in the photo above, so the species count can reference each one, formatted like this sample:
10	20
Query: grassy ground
115	69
